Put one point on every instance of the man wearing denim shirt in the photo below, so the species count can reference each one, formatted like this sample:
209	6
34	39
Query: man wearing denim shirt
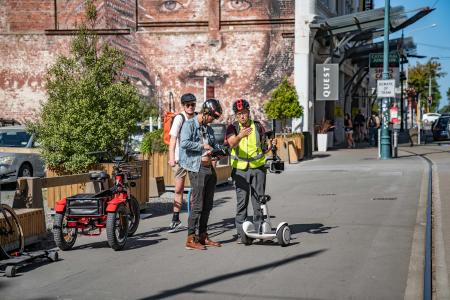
196	142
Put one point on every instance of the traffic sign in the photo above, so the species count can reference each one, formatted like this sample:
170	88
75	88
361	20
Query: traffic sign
386	88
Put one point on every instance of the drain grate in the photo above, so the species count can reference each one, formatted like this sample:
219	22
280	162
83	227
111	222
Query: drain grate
325	195
391	173
384	199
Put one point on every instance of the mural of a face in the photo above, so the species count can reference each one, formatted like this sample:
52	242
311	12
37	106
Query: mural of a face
247	62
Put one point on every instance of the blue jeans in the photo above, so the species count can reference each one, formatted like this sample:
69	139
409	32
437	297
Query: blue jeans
372	132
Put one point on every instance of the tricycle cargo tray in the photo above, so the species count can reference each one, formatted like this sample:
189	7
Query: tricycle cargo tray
87	205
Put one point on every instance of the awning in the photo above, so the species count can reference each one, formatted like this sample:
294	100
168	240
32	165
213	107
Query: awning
367	24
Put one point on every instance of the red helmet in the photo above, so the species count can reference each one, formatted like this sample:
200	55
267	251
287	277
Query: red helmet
240	105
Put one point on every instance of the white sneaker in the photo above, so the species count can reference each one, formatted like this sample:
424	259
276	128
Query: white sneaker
174	226
354	145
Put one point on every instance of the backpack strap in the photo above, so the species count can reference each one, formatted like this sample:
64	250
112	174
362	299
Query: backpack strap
237	128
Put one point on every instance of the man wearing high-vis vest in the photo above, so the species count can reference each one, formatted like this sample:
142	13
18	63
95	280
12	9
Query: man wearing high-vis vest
245	137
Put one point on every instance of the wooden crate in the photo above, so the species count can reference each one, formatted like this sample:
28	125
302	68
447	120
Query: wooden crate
54	194
32	221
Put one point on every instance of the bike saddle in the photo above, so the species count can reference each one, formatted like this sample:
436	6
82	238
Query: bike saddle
264	199
99	176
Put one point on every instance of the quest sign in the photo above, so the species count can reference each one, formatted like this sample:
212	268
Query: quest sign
327	82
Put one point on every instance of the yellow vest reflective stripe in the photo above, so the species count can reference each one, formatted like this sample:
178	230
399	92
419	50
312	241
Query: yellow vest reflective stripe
248	152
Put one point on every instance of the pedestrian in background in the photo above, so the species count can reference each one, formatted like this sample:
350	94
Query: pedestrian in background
360	122
373	123
348	129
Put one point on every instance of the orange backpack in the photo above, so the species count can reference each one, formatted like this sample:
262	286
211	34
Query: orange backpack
167	122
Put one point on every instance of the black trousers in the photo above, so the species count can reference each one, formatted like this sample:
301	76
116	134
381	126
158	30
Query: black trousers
203	185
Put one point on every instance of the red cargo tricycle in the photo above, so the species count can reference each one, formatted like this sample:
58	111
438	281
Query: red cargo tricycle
114	209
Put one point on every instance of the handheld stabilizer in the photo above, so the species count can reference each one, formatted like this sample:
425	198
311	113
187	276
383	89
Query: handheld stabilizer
224	150
273	164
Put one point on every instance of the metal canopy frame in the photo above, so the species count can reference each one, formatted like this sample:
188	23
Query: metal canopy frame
363	26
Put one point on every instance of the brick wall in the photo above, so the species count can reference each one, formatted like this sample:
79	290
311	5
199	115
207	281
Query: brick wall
248	61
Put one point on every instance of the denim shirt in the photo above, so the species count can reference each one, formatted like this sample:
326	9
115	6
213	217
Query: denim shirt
191	144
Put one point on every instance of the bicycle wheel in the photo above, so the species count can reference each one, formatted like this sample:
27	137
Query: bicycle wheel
117	227
11	235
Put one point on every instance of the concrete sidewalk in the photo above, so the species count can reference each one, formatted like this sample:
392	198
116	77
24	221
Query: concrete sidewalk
345	245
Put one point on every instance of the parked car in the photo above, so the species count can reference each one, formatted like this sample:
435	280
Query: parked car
440	128
430	118
24	164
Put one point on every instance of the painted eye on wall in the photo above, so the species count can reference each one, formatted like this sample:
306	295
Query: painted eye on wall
169	6
239	4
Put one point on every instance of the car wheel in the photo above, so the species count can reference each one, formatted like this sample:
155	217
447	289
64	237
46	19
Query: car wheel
25	171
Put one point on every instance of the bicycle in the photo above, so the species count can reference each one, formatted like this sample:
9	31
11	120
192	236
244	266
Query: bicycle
11	233
114	209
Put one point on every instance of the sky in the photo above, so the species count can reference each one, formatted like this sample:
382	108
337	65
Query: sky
432	41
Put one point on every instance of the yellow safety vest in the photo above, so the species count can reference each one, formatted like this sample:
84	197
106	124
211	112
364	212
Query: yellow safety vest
248	152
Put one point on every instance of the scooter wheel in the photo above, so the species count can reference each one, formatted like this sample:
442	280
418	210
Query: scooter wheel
11	271
284	235
249	241
53	256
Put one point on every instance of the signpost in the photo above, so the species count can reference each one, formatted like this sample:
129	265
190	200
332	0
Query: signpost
209	87
394	115
386	88
327	82
376	66
385	142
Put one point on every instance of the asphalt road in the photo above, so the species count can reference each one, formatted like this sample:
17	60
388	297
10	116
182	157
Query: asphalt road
345	245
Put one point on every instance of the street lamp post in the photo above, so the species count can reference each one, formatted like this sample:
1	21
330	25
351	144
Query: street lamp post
407	69
385	143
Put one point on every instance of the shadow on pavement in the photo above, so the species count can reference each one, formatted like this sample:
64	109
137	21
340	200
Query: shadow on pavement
191	288
309	228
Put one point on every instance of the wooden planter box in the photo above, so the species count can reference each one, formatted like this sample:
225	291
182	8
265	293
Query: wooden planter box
158	167
290	149
141	191
33	225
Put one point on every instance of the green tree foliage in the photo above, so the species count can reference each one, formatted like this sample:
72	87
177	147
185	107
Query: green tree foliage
89	106
154	142
418	78
147	108
284	103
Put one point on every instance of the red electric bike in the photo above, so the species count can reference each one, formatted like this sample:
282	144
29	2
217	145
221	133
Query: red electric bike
114	209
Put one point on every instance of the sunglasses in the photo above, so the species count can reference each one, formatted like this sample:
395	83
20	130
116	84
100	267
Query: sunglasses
190	105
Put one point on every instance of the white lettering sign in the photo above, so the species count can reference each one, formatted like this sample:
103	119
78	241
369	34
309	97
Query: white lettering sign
386	88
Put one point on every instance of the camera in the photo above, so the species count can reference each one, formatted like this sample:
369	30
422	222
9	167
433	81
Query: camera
274	164
224	150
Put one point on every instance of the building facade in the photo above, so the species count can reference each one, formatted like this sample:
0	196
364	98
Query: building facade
239	42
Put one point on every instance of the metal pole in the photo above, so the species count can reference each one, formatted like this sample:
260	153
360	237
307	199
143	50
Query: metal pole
429	94
385	140
418	120
159	100
401	98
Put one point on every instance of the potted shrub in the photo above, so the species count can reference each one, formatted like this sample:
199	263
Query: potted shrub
322	136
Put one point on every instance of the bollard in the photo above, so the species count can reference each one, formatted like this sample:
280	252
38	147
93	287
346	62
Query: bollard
395	144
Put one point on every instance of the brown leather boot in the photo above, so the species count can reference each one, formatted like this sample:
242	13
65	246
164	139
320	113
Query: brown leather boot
204	240
193	244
